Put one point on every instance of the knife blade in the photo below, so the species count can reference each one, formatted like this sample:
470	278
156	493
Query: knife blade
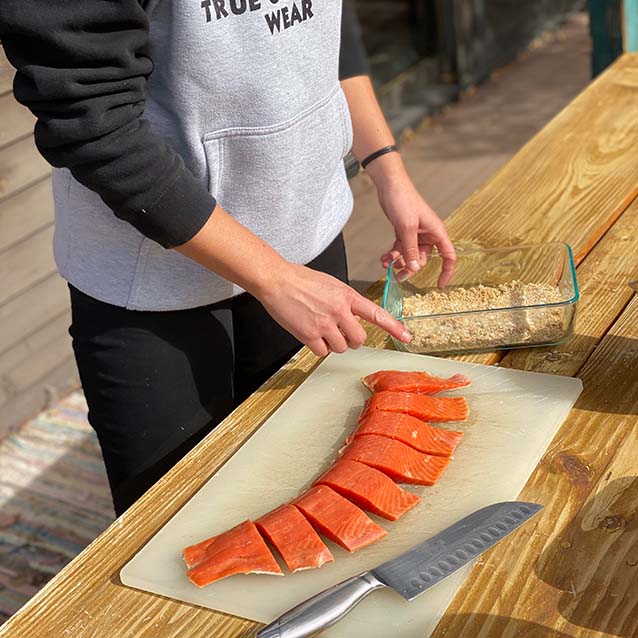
409	574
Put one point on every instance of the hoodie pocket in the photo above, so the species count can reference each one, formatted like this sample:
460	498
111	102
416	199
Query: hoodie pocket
278	180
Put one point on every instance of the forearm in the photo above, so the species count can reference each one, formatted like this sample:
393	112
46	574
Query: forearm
317	309
370	130
226	247
417	227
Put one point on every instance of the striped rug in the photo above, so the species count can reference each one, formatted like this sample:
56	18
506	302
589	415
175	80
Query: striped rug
54	499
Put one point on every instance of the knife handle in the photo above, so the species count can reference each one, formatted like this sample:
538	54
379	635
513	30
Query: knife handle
323	609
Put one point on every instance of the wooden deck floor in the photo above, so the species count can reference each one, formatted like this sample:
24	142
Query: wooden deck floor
453	153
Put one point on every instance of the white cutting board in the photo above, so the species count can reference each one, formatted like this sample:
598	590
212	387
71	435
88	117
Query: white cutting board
514	416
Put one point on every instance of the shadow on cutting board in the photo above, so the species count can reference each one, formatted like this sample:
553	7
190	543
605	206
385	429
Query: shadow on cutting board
594	562
285	379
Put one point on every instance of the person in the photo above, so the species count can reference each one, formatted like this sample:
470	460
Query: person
200	195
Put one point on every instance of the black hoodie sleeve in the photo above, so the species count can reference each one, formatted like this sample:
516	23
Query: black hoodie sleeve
82	69
353	60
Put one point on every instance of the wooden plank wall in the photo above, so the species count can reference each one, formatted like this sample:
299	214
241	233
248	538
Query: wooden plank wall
36	361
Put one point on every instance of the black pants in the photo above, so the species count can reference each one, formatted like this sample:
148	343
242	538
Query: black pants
157	382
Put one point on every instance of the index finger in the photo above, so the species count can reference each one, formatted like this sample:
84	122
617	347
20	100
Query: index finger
448	255
369	311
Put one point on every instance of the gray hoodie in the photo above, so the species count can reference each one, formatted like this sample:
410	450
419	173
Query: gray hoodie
247	92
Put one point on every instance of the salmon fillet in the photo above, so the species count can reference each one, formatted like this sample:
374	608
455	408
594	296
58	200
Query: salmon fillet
338	519
421	406
418	382
195	554
419	435
396	459
240	550
294	538
369	489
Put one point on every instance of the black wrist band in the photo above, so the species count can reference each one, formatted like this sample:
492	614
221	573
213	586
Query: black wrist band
379	153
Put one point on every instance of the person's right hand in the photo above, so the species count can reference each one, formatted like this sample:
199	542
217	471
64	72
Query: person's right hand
323	312
319	310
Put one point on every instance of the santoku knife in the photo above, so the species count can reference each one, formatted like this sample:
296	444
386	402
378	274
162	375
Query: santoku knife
409	574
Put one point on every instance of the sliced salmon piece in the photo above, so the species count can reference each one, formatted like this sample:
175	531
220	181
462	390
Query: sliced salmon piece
396	459
288	531
368	488
409	430
240	550
418	382
421	406
195	554
338	519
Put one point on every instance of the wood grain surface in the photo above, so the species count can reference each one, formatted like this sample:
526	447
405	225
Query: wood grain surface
44	393
17	121
20	166
604	293
29	311
545	574
569	573
25	212
569	182
6	73
34	356
26	263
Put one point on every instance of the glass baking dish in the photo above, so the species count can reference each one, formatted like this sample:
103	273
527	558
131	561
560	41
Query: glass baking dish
539	314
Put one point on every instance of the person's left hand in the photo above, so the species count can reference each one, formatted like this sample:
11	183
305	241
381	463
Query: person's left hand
418	230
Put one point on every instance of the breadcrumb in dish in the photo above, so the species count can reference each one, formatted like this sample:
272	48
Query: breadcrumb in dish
512	326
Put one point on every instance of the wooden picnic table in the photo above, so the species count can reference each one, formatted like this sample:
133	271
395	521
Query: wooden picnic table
571	572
